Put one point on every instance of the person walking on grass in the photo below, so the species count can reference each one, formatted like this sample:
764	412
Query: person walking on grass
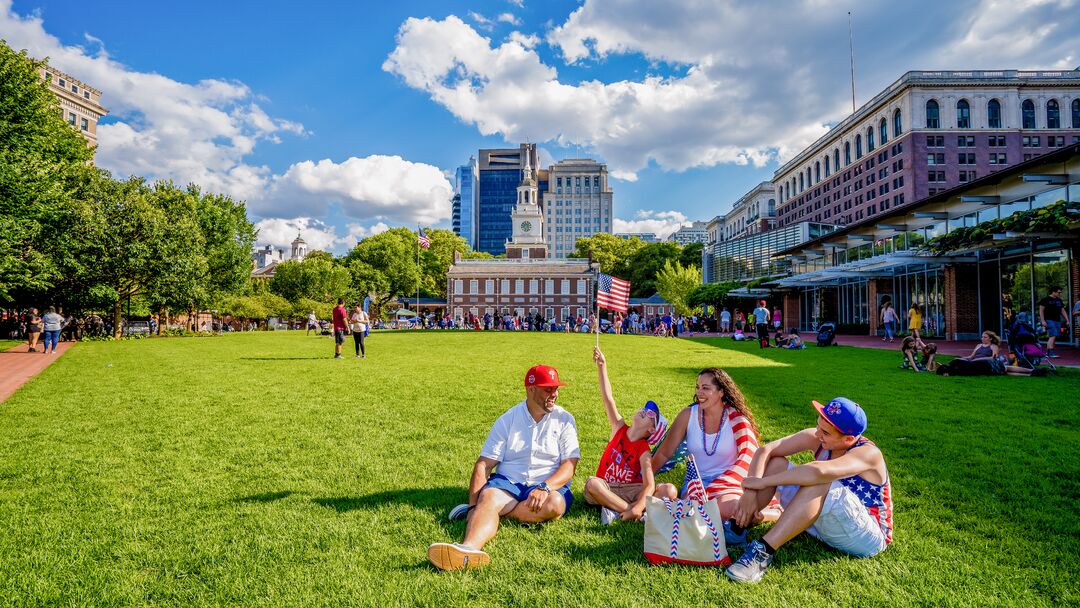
624	477
359	320
843	498
312	324
761	321
33	329
341	327
1053	316
52	324
523	472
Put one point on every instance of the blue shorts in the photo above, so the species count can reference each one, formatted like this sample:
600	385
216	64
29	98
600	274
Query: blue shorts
520	491
1053	329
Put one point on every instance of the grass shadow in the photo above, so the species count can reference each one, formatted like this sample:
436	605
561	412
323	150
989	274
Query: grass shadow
265	497
434	499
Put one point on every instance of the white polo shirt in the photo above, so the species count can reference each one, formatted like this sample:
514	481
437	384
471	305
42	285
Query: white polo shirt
528	452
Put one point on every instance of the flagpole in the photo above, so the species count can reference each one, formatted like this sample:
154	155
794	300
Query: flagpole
597	280
419	275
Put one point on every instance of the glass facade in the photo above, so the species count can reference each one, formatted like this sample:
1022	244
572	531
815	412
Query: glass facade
751	257
466	208
497	196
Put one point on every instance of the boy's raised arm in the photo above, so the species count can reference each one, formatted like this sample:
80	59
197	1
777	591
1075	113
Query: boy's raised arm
614	419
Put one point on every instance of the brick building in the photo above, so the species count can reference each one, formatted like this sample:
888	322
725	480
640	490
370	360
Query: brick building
557	289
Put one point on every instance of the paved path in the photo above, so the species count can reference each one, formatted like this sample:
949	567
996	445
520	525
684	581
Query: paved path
1068	356
17	366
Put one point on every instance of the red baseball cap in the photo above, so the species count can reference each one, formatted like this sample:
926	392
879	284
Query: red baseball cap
543	375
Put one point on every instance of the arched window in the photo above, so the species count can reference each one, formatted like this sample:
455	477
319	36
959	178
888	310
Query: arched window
847	153
858	147
1053	115
801	185
963	114
836	158
817	171
809	182
870	139
1076	114
993	114
897	123
883	128
933	117
827	172
1028	114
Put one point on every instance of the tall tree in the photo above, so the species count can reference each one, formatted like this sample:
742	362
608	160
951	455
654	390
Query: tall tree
612	252
385	265
644	265
691	255
676	283
42	161
435	262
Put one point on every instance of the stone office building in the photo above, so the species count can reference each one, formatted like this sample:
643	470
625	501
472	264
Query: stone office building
80	104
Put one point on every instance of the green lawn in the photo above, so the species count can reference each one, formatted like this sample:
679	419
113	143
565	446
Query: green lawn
254	470
8	344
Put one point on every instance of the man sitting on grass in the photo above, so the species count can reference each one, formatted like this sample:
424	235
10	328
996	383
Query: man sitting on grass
843	498
533	448
624	477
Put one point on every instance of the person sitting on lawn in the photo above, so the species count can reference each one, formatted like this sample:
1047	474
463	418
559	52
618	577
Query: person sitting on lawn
533	451
624	477
791	341
843	498
988	348
908	347
721	434
929	356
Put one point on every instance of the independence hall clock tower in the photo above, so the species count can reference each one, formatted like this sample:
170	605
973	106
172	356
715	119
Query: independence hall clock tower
528	221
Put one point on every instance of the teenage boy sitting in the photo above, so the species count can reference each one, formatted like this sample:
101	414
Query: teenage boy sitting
843	498
624	477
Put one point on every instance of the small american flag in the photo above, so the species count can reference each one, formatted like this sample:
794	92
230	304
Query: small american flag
423	240
612	293
695	489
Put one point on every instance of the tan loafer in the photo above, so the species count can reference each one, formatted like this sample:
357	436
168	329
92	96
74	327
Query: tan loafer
449	556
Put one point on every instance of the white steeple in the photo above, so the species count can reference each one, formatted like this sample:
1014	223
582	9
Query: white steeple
299	248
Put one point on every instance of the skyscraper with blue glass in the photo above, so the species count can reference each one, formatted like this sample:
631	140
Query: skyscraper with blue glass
466	190
500	175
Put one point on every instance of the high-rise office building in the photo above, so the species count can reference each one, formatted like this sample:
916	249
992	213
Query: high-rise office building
694	233
466	190
577	203
500	174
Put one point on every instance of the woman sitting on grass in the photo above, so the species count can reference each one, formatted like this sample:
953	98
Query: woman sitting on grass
986	359
989	348
909	346
929	355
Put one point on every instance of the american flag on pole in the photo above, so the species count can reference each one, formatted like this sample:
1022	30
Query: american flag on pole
423	240
612	293
695	489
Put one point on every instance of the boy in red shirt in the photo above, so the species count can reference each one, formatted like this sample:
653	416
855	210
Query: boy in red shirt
624	477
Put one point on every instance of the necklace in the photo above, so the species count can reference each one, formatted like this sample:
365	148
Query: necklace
716	438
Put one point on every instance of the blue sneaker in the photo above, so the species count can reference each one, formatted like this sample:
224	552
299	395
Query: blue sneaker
731	538
752	565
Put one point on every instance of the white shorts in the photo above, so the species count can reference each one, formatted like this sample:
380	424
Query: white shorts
844	522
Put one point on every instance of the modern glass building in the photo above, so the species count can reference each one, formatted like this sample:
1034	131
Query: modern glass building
500	175
751	257
466	190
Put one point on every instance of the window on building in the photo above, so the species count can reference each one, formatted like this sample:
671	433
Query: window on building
1076	114
935	141
86	94
967	176
1032	141
519	286
998	158
489	286
801	185
1053	115
71	118
997	141
883	128
809	178
459	286
963	114
966	158
858	147
935	158
85	125
63	84
933	115
1028	114
504	286
534	285
827	172
836	158
74	89
847	153
474	286
870	139
565	287
897	124
581	286
993	114
817	171
965	141
1055	141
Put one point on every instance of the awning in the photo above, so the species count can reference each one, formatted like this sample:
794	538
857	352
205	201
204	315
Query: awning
880	266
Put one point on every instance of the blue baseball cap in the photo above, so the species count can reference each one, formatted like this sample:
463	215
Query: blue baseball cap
844	414
661	422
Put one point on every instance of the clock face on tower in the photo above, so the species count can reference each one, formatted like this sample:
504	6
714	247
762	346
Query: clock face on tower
526	226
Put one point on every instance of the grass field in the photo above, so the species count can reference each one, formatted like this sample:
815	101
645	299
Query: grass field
255	470
8	344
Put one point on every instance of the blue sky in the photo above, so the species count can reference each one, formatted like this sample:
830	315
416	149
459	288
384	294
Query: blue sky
343	118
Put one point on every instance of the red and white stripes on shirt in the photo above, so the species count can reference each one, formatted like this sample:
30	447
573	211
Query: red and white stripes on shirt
729	483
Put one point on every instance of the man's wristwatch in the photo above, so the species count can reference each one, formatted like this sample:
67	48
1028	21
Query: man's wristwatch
543	486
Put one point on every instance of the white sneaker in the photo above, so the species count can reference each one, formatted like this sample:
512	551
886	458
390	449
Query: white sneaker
458	512
447	556
607	516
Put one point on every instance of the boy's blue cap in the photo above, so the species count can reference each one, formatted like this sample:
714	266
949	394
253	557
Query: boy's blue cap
844	414
661	422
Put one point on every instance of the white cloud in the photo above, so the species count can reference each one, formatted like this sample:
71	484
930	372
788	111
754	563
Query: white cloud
481	21
188	132
528	41
746	83
508	18
204	132
381	187
517	3
661	223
